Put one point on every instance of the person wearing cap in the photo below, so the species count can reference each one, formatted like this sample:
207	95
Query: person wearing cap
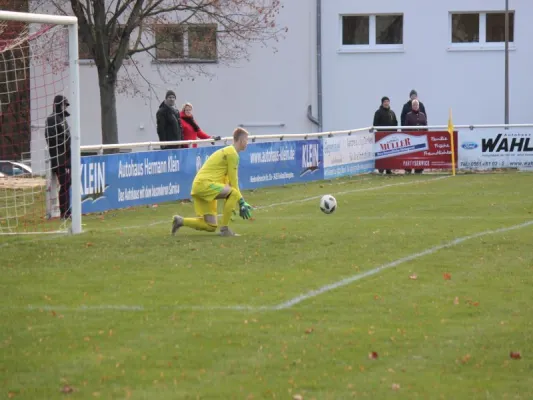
384	116
58	139
169	128
407	107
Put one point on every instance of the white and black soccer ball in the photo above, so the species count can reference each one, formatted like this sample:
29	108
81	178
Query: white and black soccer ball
328	204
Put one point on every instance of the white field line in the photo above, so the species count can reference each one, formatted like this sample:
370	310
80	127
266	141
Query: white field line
346	281
302	297
291	202
296	201
419	217
166	221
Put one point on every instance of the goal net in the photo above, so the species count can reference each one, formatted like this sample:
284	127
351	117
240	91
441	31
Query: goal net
36	83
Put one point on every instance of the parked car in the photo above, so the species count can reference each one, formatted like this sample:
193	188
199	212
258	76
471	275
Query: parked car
13	168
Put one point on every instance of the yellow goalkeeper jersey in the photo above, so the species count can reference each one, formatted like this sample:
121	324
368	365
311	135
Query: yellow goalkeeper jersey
221	166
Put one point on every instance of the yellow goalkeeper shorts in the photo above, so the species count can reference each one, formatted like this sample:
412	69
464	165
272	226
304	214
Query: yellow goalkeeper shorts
204	196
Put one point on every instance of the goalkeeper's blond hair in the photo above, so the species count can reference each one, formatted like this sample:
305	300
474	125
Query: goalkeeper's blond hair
238	133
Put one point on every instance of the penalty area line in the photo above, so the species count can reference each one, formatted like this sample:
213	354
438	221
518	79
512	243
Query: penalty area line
295	300
354	278
286	203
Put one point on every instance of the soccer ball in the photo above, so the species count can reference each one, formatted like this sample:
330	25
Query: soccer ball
328	204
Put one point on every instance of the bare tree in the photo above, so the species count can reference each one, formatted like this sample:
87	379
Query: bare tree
171	32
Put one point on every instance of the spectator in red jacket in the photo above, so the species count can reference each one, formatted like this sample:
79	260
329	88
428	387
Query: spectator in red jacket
191	130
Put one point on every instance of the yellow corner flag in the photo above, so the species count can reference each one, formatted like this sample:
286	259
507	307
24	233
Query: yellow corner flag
450	131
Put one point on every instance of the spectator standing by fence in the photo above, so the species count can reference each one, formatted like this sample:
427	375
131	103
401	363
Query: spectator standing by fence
407	107
416	118
384	116
191	130
168	119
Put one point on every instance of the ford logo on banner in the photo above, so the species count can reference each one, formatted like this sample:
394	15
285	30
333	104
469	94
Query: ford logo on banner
469	145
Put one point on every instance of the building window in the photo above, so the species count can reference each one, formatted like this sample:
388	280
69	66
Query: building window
495	27
389	29
186	43
381	32
484	30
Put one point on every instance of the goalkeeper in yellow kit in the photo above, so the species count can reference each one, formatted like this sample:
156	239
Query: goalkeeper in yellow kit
210	185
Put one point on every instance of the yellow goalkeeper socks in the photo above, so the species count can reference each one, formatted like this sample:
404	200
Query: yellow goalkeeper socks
229	206
199	224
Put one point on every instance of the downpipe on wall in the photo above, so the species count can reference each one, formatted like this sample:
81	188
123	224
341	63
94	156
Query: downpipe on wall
318	121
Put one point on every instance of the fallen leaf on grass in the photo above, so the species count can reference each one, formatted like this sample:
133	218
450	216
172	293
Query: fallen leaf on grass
67	389
395	386
466	358
447	276
89	244
515	355
373	355
413	277
309	330
11	394
456	301
297	397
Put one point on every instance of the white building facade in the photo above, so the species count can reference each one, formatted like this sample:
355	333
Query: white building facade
451	52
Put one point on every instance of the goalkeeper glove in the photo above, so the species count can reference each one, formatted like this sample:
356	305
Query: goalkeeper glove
245	209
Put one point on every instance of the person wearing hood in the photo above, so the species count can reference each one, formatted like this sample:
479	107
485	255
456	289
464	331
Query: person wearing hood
384	116
191	130
407	107
169	128
57	134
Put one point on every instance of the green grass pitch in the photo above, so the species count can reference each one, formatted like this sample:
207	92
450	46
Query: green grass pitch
126	311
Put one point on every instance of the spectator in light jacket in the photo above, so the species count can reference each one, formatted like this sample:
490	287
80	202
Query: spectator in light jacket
407	107
168	122
415	118
191	130
384	116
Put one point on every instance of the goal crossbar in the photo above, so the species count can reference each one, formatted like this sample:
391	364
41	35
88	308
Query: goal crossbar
37	18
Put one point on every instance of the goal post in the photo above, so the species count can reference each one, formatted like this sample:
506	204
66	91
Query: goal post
38	63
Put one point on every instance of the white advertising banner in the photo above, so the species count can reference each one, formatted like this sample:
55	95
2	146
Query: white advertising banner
348	155
487	148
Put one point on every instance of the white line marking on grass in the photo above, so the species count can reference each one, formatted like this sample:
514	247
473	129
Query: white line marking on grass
304	200
296	300
132	308
417	217
166	221
346	281
290	202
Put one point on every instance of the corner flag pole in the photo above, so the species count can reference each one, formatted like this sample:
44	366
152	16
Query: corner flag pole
450	131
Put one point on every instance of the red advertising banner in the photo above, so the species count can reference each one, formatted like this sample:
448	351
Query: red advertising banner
414	150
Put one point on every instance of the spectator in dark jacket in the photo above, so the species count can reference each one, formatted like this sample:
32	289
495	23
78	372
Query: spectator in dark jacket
384	116
415	118
168	119
58	139
407	107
